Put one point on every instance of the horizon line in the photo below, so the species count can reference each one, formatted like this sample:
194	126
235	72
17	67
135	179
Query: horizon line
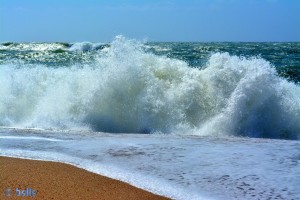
152	41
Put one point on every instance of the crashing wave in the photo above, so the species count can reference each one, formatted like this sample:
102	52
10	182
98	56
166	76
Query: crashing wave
129	90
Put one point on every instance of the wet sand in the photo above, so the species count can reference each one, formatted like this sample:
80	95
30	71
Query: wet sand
51	180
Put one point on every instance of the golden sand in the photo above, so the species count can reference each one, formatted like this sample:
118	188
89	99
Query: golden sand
51	180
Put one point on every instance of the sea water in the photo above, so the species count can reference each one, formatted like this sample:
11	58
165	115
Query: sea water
185	120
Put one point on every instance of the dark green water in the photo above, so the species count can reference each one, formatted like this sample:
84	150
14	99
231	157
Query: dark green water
284	56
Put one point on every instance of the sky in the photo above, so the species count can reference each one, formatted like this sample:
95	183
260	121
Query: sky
153	20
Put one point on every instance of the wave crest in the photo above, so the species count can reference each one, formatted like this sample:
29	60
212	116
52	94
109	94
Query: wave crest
87	46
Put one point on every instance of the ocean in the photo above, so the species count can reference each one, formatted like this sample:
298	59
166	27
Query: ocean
186	120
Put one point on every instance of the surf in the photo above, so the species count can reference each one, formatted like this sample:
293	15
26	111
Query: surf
128	89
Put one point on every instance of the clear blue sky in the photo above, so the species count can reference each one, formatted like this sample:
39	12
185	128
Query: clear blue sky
155	20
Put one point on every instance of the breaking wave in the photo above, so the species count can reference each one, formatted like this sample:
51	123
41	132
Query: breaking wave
132	91
87	46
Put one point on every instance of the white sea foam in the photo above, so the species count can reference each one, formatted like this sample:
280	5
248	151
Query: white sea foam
129	90
190	167
28	138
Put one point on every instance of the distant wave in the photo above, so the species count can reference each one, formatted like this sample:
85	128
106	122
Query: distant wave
87	46
129	90
34	46
79	46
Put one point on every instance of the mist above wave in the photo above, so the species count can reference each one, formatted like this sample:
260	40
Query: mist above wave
129	90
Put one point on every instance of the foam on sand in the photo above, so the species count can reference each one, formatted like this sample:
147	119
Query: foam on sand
189	167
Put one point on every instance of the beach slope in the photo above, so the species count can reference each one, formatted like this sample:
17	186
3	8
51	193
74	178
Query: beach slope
51	180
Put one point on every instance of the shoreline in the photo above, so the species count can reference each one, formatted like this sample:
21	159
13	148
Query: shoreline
53	180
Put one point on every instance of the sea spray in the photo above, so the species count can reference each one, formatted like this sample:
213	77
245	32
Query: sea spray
129	89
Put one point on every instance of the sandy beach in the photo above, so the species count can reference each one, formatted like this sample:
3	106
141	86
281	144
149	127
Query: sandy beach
51	180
